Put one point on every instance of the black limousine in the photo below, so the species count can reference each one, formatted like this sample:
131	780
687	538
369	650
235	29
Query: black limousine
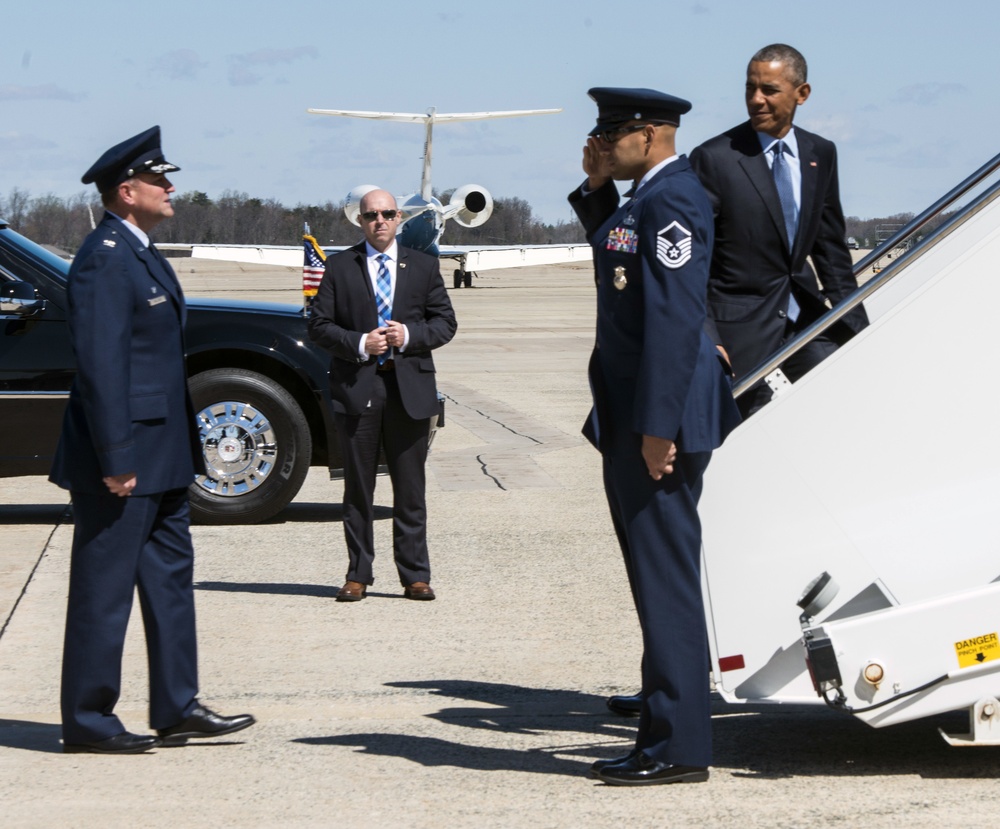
259	386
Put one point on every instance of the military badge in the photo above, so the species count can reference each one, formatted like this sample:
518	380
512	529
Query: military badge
623	240
110	243
620	281
673	245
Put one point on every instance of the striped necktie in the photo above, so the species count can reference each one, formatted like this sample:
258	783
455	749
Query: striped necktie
383	297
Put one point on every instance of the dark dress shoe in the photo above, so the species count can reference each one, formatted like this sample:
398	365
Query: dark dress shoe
643	770
124	743
201	723
626	706
352	591
419	590
600	765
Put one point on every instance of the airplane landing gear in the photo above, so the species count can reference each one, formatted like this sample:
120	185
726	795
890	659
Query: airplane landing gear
463	277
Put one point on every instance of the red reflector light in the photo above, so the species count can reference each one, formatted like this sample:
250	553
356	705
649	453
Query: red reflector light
731	663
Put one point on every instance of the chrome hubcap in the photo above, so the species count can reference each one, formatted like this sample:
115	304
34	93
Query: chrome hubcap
239	445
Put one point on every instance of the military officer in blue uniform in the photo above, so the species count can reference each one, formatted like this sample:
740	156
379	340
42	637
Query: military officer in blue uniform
128	452
662	403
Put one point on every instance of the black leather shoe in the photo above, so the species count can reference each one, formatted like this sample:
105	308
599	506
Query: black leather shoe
627	706
124	743
643	770
202	723
600	765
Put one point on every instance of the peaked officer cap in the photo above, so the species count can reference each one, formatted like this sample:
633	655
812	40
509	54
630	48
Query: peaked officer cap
139	154
618	105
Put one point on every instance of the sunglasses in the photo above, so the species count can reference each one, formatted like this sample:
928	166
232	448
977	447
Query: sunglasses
372	215
618	133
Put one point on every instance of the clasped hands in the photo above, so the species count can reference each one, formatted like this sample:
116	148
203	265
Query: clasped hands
381	340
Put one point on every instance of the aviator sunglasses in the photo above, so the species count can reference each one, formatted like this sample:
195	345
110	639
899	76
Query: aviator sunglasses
611	136
372	215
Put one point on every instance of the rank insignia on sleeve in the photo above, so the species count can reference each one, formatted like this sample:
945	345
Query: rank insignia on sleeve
110	242
623	240
673	245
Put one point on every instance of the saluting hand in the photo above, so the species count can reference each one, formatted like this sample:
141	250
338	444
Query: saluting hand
659	455
596	164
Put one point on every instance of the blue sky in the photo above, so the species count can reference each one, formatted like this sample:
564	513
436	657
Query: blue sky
908	89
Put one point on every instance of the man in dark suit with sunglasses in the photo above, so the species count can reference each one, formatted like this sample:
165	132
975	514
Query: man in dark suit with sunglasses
380	311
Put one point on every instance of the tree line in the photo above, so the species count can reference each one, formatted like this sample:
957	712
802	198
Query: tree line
238	219
868	232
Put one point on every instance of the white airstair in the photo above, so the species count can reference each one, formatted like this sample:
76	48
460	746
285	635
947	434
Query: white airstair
878	472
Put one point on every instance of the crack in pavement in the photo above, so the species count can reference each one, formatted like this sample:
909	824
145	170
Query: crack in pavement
490	417
486	472
512	439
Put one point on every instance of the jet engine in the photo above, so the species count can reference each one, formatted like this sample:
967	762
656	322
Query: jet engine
352	205
470	205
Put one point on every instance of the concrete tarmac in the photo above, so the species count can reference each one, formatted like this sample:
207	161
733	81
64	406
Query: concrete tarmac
484	708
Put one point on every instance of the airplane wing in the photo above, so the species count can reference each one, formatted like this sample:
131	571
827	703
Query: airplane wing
421	118
469	257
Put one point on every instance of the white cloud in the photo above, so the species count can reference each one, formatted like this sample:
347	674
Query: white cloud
179	64
44	92
928	94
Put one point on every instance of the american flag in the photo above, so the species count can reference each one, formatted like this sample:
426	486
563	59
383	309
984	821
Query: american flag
312	267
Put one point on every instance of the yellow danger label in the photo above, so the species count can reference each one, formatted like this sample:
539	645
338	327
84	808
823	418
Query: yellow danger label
977	650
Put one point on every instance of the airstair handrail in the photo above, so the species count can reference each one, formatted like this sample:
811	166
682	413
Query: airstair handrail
918	222
864	291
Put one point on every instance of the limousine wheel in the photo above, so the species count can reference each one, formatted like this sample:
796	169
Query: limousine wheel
256	443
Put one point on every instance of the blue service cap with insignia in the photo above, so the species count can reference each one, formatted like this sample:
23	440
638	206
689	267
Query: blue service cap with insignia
139	154
619	105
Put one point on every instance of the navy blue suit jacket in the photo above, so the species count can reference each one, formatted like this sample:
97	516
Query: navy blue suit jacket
753	269
344	310
129	409
653	364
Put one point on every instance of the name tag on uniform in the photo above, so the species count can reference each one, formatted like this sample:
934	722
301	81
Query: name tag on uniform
157	300
623	240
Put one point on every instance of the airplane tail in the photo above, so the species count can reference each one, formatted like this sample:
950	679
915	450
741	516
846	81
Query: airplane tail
429	119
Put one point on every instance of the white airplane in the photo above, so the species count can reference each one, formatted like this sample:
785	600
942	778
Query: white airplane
425	215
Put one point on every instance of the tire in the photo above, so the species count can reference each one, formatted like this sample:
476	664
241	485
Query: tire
257	447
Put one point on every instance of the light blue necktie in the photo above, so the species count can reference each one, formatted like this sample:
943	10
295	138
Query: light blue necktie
786	195
383	297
